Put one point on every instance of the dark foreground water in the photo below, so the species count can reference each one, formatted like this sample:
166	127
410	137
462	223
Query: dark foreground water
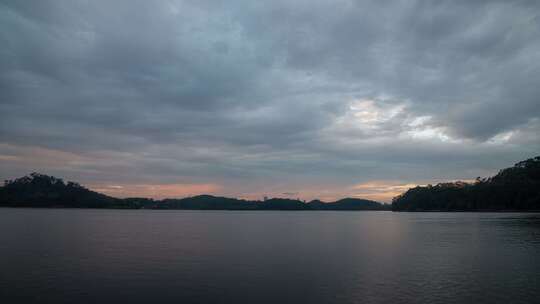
124	256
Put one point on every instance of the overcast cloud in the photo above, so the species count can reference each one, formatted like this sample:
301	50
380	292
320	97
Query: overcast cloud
248	98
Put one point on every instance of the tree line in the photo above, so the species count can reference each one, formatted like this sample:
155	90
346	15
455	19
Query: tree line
514	188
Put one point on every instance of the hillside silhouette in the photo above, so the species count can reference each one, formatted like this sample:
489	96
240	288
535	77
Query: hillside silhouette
515	188
40	190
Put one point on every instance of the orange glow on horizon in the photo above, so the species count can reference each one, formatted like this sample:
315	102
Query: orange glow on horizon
382	191
157	191
45	160
377	190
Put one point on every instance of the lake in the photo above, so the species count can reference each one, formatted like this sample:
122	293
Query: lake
144	256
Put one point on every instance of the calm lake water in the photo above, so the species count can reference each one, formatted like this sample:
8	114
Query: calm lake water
143	256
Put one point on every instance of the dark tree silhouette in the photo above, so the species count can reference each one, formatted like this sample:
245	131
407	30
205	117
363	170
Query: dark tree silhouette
515	188
39	190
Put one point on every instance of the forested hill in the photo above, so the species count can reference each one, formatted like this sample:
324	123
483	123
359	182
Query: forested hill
515	188
39	190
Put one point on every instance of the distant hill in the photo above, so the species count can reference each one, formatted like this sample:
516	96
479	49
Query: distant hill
515	188
282	204
352	204
205	202
39	190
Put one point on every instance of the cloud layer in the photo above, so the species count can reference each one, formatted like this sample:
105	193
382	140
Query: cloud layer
254	98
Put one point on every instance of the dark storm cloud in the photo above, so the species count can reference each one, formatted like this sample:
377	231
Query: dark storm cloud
246	93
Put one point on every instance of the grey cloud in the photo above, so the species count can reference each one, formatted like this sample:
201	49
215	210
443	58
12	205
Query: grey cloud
245	92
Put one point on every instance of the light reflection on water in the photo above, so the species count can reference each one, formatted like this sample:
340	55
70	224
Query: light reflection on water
138	256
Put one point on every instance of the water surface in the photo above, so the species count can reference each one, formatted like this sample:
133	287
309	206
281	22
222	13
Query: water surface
143	256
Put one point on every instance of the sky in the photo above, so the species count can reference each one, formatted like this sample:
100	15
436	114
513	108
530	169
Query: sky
283	98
